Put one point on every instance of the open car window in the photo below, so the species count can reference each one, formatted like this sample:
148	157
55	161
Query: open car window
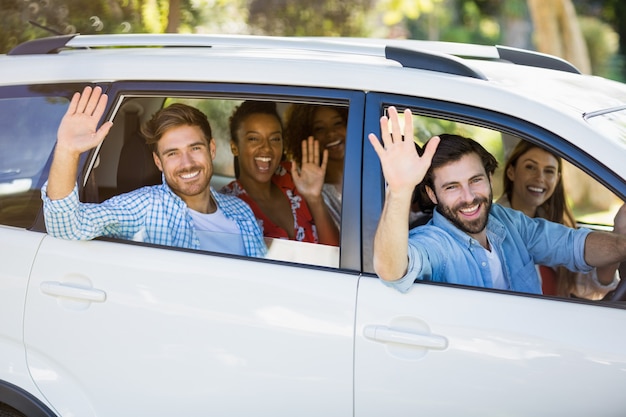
124	163
593	205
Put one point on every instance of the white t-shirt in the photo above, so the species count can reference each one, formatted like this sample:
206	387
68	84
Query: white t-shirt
495	266
217	233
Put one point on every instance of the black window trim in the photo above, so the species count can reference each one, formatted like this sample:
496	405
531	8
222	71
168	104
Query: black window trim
350	247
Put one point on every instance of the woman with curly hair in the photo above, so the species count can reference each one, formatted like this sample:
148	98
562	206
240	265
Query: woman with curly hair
327	125
286	197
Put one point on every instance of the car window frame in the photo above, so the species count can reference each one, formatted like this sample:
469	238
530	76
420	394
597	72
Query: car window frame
46	90
350	239
373	177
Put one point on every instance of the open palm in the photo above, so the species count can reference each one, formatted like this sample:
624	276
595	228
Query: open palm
309	179
403	168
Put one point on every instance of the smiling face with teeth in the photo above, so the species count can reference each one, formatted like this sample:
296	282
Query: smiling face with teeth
329	128
185	157
534	177
259	147
462	193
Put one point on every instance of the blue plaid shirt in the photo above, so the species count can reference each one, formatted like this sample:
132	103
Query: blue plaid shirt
155	213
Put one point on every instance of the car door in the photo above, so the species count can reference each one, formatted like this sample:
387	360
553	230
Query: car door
28	115
119	328
445	350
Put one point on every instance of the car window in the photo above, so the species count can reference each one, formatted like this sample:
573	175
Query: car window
592	204
27	137
124	162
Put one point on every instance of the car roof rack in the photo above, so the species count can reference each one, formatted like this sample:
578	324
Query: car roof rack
431	61
48	45
433	56
535	59
472	51
410	58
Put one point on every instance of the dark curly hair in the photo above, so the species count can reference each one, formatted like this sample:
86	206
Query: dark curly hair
300	126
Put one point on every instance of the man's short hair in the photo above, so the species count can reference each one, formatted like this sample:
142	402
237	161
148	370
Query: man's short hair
452	148
174	115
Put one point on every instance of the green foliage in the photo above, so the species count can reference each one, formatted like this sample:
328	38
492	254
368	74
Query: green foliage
602	44
319	18
14	27
457	21
24	20
427	127
92	17
396	11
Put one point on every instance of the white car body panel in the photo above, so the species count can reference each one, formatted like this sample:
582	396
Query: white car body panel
110	328
18	248
558	101
523	343
256	335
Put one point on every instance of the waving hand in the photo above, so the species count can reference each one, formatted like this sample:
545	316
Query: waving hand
77	133
402	166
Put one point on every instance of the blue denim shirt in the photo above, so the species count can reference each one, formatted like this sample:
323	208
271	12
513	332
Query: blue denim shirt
439	251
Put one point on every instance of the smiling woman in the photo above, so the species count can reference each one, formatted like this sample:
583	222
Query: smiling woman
286	198
328	125
533	184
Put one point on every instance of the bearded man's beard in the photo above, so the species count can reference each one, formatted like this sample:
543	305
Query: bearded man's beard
468	226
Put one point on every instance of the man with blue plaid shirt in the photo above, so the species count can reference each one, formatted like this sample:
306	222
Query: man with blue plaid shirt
184	211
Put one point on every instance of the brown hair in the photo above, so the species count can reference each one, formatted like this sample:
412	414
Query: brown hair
452	148
555	208
172	116
300	126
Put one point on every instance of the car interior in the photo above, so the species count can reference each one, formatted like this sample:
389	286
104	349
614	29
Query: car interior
124	163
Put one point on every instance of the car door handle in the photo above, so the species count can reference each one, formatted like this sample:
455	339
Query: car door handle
386	334
58	289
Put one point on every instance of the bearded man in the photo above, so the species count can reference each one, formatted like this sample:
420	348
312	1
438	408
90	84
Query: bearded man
468	241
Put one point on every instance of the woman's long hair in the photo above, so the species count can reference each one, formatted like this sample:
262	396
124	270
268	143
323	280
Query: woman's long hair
554	208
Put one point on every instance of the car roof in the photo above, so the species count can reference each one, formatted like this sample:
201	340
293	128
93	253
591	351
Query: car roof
539	88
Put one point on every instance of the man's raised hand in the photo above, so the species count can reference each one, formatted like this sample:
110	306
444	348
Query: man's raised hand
78	131
403	168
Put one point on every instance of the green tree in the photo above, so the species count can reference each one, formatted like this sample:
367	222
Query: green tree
23	20
448	20
315	18
613	13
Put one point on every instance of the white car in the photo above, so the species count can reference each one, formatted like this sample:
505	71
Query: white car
114	328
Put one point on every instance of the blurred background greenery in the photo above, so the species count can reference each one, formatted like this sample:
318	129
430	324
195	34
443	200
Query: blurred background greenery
589	33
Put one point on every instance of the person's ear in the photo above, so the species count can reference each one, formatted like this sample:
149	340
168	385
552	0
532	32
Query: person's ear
510	173
234	149
212	149
431	195
157	161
